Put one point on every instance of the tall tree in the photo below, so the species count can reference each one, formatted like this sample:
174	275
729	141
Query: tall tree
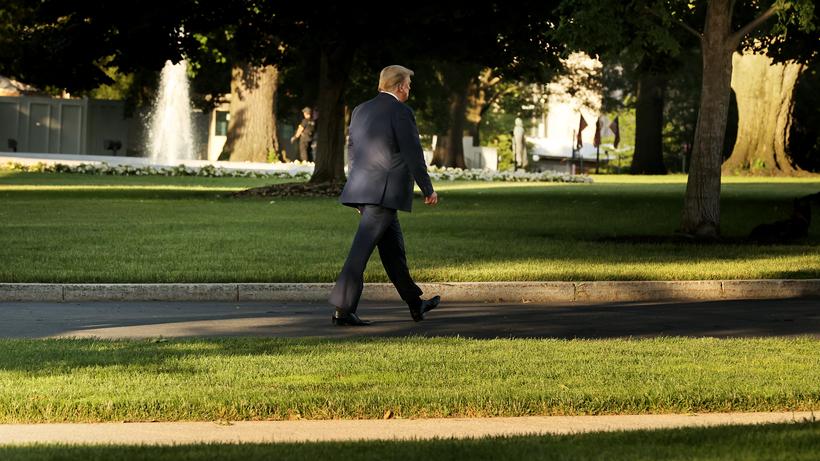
338	31
765	99
456	78
251	132
508	38
64	44
634	38
767	94
238	35
484	90
723	33
344	32
516	46
649	122
334	70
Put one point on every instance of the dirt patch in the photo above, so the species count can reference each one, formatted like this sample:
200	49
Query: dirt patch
300	189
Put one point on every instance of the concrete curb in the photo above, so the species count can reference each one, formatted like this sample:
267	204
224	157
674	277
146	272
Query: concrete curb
368	429
496	292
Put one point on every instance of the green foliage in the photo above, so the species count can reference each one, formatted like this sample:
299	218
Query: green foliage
620	159
119	89
435	86
680	113
639	31
504	146
272	156
757	165
517	99
525	98
791	36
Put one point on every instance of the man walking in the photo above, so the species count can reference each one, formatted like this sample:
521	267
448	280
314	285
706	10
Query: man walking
385	156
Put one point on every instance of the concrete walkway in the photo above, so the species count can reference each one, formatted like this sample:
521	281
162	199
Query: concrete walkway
759	318
392	429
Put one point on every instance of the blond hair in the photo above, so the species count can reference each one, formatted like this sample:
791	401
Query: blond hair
393	76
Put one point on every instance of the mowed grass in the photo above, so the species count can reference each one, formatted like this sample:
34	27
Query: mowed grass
82	228
787	442
71	380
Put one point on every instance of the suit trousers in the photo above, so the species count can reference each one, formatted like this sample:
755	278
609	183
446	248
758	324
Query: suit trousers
378	227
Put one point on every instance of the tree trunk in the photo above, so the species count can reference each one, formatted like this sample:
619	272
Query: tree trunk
764	101
450	153
476	98
474	131
334	69
648	158
482	93
701	208
252	127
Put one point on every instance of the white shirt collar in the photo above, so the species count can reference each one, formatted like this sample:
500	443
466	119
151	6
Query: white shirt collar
391	94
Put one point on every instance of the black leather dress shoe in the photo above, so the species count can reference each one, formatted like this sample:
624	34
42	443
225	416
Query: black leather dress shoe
351	320
426	306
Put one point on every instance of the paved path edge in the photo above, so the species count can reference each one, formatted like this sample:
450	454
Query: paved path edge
165	433
496	292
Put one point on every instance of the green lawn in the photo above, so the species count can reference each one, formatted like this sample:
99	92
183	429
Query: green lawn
786	442
83	228
246	379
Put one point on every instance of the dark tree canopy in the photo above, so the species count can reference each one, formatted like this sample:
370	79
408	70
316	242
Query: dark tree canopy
64	44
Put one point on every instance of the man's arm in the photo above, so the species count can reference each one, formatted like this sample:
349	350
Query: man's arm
407	135
351	154
298	133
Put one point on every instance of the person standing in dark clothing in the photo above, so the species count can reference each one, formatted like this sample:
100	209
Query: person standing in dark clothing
304	133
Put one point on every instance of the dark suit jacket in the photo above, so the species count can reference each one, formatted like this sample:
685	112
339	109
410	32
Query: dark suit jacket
385	155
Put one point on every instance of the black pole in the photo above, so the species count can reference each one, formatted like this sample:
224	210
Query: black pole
597	158
581	157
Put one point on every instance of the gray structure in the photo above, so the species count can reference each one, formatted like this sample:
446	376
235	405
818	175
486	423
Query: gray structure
63	126
41	124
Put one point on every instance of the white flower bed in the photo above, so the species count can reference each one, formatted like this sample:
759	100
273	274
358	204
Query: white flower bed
453	174
130	170
436	173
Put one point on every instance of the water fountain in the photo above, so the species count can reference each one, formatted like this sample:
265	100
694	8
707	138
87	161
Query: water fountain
170	131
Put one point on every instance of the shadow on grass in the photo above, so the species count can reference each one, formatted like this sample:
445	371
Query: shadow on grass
56	357
681	240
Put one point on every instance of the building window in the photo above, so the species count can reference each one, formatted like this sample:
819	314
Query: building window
222	117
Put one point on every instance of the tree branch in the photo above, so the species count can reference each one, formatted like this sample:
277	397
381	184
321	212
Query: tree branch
687	27
493	99
736	37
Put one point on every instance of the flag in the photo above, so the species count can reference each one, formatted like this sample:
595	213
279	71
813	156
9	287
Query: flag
596	141
581	125
616	131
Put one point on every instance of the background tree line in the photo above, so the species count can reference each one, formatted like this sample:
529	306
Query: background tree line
666	59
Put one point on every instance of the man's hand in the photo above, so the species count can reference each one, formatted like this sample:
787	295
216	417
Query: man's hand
431	199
